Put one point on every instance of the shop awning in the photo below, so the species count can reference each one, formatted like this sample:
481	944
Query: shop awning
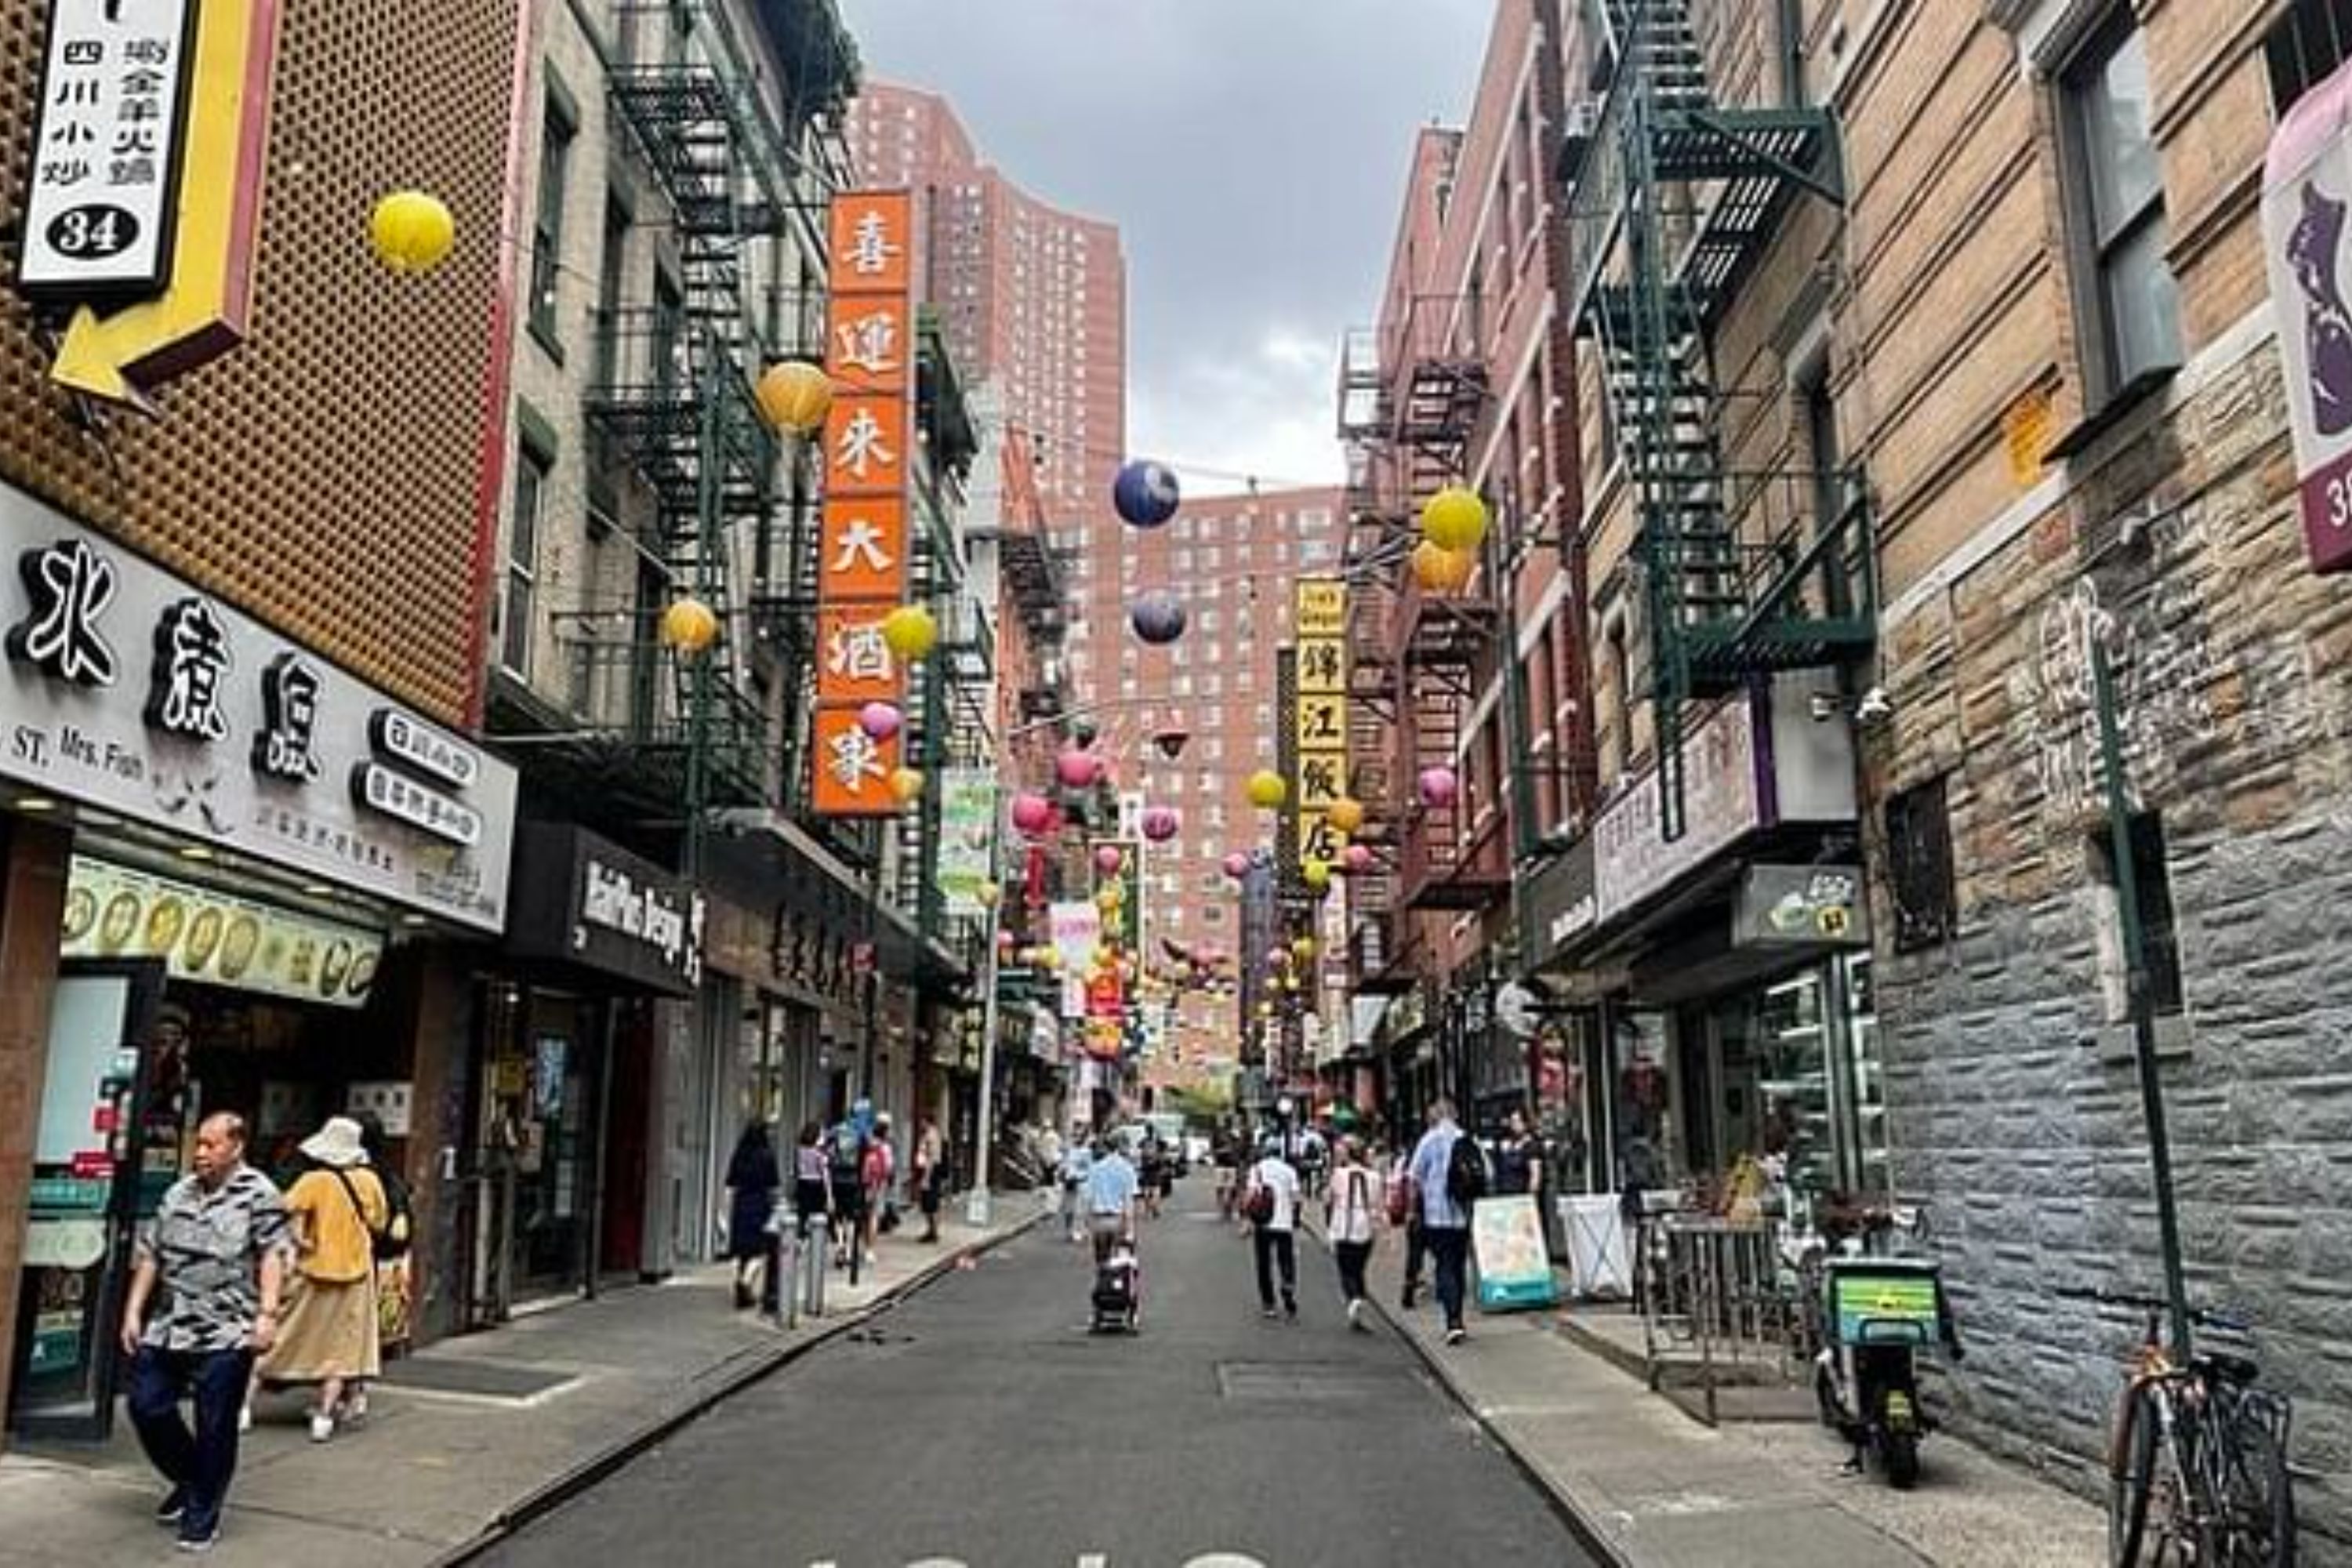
793	867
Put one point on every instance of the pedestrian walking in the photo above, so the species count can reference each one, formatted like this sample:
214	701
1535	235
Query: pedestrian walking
217	1248
1154	1155
931	1175
1348	1217
1110	1194
1404	1211
330	1336
879	1169
1078	1166
1271	1204
1441	1178
811	1206
1519	1159
845	1173
752	1178
393	1266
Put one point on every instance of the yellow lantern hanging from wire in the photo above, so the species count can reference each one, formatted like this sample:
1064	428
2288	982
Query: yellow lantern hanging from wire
1266	790
689	627
794	396
1441	571
1303	949
1345	814
910	632
906	783
1317	875
1453	519
412	231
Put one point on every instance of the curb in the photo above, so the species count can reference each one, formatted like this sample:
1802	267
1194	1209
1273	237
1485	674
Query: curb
738	1373
1582	1524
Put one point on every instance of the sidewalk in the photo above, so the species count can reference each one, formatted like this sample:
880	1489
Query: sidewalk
470	1436
1649	1487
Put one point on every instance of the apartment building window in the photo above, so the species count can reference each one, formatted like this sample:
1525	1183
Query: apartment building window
2152	896
2130	304
2305	47
518	606
1919	865
561	126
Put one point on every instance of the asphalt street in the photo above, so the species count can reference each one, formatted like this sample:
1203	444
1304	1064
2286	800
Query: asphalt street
980	1425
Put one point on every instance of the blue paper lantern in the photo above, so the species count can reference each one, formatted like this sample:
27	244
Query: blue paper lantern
1145	493
1158	618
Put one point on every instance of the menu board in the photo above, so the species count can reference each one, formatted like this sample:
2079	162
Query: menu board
216	938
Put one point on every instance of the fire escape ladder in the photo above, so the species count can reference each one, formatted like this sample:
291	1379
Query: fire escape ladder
1676	202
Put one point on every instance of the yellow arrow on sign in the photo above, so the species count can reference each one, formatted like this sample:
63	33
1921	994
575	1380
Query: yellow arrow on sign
204	309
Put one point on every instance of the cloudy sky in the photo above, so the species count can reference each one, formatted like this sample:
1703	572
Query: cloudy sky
1253	154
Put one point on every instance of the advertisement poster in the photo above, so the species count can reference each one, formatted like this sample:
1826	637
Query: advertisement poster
967	834
114	911
1507	1241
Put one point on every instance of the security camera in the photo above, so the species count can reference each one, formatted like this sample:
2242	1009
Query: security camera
1875	707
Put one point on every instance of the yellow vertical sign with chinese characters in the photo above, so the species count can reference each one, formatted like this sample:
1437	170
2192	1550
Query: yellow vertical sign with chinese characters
1319	625
863	536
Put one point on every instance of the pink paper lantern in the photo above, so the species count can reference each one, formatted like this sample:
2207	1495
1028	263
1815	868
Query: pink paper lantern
1031	814
1440	787
1108	859
1161	823
880	720
1237	864
1357	858
1077	769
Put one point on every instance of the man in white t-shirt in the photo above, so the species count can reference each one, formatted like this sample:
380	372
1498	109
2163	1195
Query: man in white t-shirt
1271	1203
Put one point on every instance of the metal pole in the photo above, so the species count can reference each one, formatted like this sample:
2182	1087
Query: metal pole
976	1209
2139	1000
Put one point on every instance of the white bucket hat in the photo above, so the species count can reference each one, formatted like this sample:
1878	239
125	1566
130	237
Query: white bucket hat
336	1145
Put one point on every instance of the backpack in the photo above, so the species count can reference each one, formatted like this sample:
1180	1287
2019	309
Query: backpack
1400	1198
391	1241
1465	1170
1259	1209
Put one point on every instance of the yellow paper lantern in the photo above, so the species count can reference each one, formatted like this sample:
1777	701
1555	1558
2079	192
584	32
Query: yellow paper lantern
1441	571
688	625
1316	874
910	632
412	232
986	894
1346	815
1266	790
906	783
1109	899
794	396
1105	956
1453	519
1049	959
1266	1009
1303	949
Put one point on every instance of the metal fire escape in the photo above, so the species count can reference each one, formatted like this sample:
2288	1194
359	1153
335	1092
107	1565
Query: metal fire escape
1410	402
1676	202
672	389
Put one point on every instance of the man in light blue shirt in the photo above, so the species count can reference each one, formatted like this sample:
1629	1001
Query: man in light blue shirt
1110	1197
1443	1221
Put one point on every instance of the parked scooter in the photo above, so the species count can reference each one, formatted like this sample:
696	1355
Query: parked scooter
1878	1313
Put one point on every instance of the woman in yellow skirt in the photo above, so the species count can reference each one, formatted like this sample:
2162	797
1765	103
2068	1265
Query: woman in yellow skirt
329	1334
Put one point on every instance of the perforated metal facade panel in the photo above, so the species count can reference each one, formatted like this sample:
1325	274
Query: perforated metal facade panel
326	476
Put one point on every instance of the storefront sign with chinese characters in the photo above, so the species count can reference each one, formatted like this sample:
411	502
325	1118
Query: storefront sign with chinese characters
124	688
1803	905
1721	803
98	218
1319	725
863	535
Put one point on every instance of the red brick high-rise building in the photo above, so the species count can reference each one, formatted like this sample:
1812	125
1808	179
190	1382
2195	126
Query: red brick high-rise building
1034	298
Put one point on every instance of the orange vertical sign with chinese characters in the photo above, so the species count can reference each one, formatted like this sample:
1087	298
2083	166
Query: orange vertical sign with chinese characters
863	535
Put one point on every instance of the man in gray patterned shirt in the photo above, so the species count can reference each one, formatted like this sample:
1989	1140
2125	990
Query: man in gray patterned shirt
216	1249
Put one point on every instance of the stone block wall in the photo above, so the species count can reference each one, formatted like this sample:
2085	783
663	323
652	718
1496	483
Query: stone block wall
2016	1104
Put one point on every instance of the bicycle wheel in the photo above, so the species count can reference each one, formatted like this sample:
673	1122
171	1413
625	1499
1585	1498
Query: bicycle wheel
2131	1473
2256	1507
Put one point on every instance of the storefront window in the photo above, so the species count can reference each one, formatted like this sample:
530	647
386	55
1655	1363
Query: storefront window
1647	1151
1866	1136
1791	1137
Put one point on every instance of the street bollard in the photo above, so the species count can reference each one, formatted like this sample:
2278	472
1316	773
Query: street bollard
814	1262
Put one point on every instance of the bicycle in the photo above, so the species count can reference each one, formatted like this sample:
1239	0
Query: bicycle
2197	1470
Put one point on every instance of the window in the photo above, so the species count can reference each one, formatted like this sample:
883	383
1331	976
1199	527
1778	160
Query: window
2131	307
515	614
1919	867
2152	896
547	229
2305	47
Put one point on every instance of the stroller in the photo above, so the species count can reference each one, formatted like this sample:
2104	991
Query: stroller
1118	1293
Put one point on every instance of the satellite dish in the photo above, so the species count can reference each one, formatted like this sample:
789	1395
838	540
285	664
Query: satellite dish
1518	1010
